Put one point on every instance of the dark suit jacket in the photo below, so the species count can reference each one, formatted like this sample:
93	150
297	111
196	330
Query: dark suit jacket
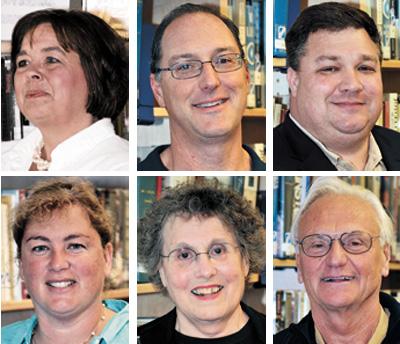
295	151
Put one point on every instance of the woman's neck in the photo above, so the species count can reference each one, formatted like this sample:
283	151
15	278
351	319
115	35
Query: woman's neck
211	328
74	329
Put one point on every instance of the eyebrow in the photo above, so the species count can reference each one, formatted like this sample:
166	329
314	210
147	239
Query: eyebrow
67	238
216	51
334	58
213	242
45	50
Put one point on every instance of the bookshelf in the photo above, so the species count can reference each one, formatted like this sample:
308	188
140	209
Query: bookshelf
149	288
289	295
254	119
151	302
249	113
11	306
390	64
291	263
113	191
15	125
386	64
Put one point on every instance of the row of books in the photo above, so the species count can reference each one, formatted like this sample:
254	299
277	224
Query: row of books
292	305
150	188
248	15
386	14
390	117
116	202
291	191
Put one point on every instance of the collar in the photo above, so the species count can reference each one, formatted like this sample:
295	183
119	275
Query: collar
83	140
377	337
374	162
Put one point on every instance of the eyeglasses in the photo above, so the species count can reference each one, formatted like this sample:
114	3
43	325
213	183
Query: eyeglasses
318	245
193	68
185	256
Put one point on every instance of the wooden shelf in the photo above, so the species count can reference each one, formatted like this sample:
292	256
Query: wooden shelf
291	263
386	64
149	288
279	62
284	263
258	112
24	305
391	64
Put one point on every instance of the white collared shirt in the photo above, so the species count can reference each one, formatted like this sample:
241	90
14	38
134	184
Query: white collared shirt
95	148
374	161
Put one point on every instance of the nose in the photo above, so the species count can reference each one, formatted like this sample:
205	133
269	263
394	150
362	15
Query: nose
59	260
336	256
33	71
204	267
350	82
209	78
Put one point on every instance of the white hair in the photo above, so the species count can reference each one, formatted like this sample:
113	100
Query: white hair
335	186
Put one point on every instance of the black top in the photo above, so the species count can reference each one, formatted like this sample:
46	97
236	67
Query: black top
153	161
304	331
295	151
245	336
162	330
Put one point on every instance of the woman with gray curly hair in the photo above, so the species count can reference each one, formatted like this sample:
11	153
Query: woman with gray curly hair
200	242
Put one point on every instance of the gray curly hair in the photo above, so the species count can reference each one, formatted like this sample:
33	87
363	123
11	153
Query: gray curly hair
206	199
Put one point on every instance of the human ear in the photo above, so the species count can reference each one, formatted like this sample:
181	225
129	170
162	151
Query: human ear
108	254
157	89
293	81
163	277
299	270
385	266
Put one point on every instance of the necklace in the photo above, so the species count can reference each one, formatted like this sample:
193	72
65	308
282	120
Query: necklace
41	164
92	333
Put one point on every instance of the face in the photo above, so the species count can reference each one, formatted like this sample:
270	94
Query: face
212	104
337	92
207	290
50	84
63	263
323	277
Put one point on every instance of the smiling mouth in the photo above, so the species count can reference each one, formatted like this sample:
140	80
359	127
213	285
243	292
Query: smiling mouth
206	291
61	284
210	104
337	279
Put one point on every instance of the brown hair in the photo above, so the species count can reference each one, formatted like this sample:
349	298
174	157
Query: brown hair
59	193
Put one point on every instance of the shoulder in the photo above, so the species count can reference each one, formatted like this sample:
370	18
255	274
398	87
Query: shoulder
256	163
257	319
16	333
390	303
159	330
117	330
17	155
385	135
301	333
153	161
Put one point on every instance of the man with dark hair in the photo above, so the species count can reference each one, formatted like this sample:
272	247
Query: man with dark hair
334	76
199	75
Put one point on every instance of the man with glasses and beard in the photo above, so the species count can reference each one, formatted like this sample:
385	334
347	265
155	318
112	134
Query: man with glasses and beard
199	74
342	235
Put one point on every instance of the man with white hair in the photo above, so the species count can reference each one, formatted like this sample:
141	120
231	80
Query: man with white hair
343	235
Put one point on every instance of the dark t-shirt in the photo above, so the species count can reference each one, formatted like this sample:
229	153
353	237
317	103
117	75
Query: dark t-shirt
153	161
246	335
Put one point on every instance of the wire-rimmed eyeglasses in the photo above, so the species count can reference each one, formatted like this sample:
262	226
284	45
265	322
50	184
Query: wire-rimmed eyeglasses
318	245
192	68
184	256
